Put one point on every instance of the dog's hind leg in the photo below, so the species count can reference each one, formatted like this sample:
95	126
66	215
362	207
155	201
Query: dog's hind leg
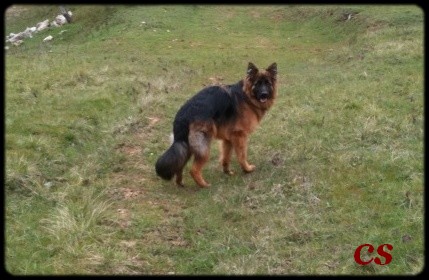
196	169
179	177
199	143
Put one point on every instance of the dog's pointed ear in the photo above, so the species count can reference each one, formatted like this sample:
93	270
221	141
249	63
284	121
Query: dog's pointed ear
252	69
272	69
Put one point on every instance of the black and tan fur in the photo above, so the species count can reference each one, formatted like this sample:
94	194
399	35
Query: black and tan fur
229	113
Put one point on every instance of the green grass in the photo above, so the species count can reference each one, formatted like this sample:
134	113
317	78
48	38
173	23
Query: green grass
339	157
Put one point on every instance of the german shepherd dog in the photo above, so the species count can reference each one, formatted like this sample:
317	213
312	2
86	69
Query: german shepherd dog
229	113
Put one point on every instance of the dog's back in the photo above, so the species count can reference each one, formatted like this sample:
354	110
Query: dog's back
214	103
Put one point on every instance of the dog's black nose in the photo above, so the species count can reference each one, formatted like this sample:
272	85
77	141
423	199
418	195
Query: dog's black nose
264	95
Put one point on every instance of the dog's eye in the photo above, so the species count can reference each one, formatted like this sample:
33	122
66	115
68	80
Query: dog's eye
265	83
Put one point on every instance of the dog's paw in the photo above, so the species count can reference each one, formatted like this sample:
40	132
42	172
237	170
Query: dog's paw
229	172
249	168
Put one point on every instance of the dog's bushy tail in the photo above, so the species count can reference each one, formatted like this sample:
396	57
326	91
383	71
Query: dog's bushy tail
173	160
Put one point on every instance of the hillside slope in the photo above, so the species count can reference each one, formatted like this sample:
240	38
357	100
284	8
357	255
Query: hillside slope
339	157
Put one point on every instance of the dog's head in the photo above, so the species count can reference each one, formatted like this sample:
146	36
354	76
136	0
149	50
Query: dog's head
261	86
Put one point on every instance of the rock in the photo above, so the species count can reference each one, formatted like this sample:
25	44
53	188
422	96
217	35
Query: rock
60	20
49	38
42	25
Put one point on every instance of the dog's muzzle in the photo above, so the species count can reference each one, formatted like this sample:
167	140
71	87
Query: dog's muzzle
263	97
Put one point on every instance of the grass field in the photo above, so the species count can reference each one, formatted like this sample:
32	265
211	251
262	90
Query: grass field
339	157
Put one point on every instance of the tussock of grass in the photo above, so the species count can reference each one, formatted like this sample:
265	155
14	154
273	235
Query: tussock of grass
339	157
